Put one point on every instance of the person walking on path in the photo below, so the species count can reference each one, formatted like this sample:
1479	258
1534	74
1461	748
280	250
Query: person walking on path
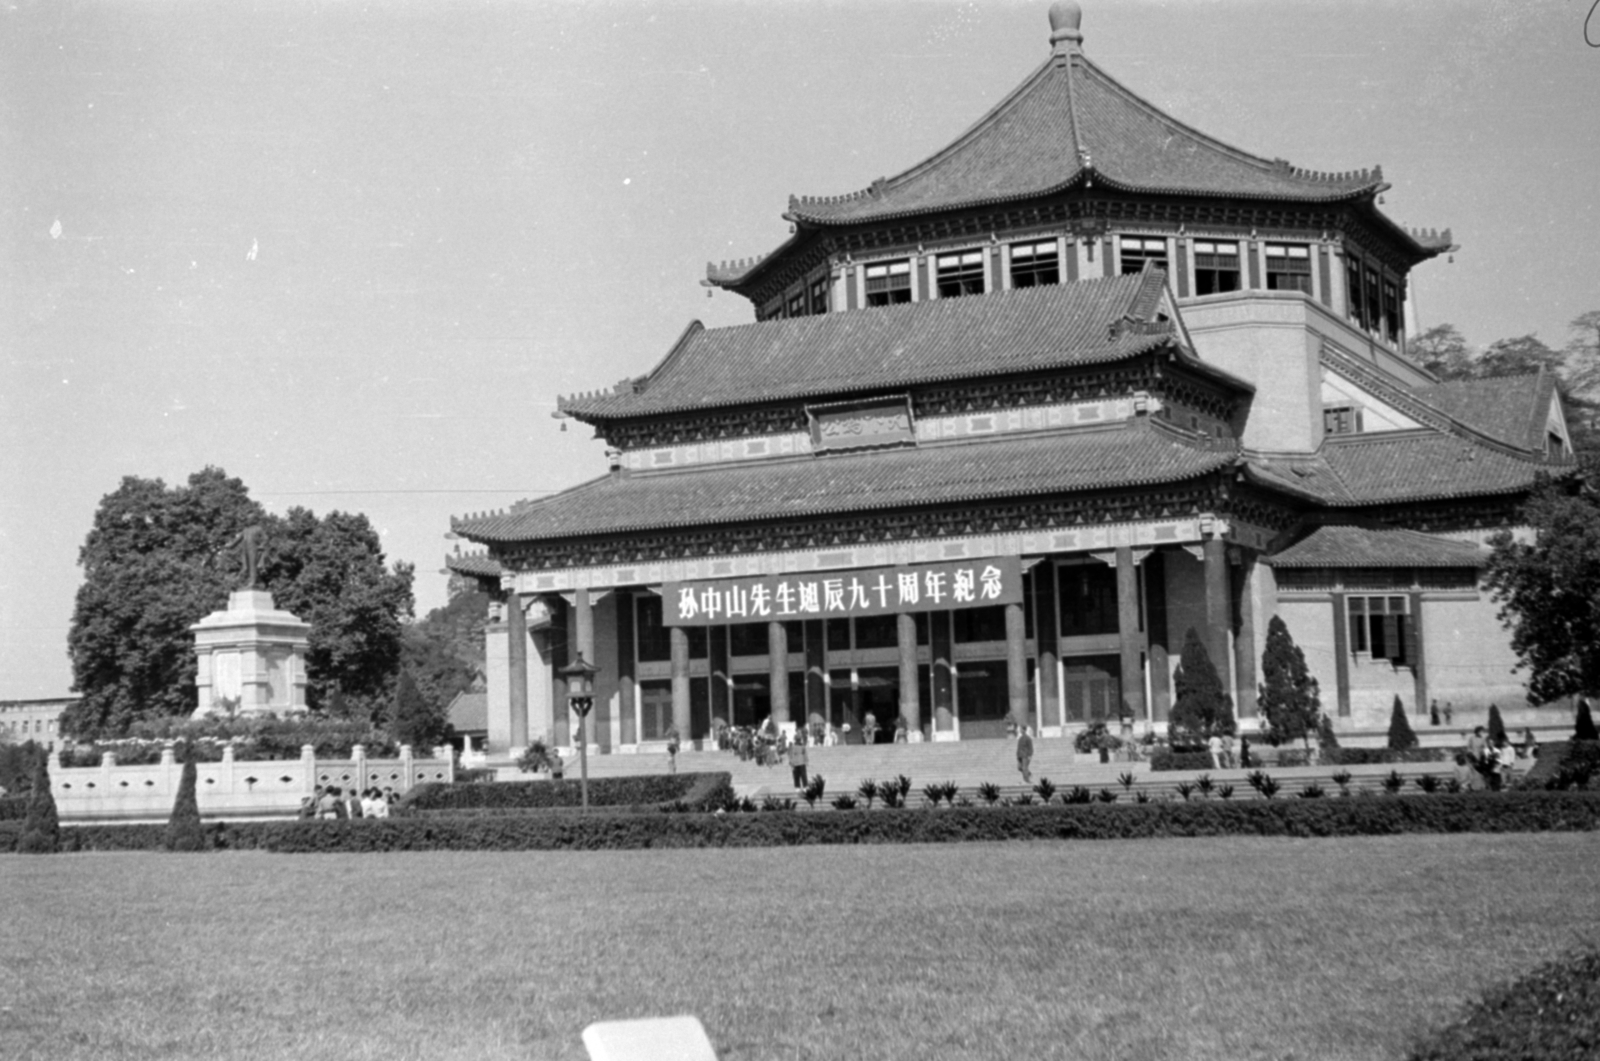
672	751
797	760
1025	754
1214	746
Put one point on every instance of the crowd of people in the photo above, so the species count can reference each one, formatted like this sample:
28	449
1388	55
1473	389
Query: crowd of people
332	801
1490	762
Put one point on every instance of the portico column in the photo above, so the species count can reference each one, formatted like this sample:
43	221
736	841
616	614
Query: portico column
583	611
1017	663
944	699
1244	635
1128	628
817	672
625	668
517	677
778	671
1219	619
721	685
561	649
910	709
1049	644
680	681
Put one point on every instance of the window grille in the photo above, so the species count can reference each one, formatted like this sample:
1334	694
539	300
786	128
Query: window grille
960	274
1035	264
1288	267
1216	267
888	283
1136	250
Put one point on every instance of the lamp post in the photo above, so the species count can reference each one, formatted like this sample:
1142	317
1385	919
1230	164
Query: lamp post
580	694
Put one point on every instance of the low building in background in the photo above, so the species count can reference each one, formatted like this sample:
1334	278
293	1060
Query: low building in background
35	720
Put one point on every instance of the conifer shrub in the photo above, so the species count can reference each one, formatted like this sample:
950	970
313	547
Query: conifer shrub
41	830
1585	728
1289	697
184	829
1401	736
1201	707
1497	725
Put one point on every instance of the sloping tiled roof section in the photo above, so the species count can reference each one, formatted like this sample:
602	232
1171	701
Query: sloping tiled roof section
1511	408
474	565
1397	467
1346	546
891	346
469	712
890	479
1067	121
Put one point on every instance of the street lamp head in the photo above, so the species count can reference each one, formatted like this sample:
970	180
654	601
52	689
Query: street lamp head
580	678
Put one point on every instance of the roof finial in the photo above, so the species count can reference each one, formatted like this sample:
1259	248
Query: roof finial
1065	18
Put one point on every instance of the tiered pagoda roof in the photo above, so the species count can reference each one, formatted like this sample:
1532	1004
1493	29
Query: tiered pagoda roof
1072	125
840	354
1513	409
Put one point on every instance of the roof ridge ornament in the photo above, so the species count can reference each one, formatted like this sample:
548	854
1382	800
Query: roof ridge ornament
1066	18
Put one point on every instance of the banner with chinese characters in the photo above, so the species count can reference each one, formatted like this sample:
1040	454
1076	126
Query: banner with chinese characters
845	594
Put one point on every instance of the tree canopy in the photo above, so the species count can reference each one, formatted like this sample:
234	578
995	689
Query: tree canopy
152	568
1549	590
1200	706
444	651
1289	697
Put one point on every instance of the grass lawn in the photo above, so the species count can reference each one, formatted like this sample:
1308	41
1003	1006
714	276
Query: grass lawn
1229	948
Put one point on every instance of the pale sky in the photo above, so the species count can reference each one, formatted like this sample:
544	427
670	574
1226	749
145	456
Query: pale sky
350	253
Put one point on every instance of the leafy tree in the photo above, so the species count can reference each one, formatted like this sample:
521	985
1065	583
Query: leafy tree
413	720
41	830
1200	707
444	651
1443	351
1585	729
1289	697
330	572
1497	725
148	573
152	568
1401	736
1515	357
184	831
1549	591
17	766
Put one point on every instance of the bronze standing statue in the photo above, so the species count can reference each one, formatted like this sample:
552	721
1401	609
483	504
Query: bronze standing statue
251	543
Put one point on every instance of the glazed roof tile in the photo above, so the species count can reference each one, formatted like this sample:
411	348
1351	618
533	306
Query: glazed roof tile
895	346
1513	409
1060	462
1068	121
1349	546
1398	466
474	565
469	712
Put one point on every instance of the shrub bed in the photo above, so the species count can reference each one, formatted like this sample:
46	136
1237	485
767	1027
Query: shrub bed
1553	1012
1532	811
1167	759
1379	756
13	808
696	791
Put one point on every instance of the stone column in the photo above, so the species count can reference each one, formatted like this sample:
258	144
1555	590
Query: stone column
1017	663
944	678
583	612
1049	644
1244	635
1341	654
561	650
1416	655
778	672
910	707
680	681
517	669
1156	635
817	670
721	685
628	700
1218	610
1128	628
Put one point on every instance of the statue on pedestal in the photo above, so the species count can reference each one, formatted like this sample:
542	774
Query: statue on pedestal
251	543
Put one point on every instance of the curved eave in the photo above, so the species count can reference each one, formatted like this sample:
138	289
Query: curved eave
490	536
1130	347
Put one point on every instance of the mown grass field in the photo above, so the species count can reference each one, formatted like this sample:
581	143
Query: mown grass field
1236	948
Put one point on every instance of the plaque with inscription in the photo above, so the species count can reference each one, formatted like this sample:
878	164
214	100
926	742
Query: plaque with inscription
862	425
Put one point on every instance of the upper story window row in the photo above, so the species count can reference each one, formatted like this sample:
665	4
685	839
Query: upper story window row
1370	296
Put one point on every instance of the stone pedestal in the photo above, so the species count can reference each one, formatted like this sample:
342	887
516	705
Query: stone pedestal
251	653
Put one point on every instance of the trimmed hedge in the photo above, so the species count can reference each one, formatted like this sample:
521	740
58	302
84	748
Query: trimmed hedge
704	791
1538	811
1381	756
13	808
1552	1013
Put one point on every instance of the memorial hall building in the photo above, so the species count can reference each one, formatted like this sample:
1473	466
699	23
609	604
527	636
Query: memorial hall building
1005	427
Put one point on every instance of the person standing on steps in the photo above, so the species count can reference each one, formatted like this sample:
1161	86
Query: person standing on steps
797	759
1025	754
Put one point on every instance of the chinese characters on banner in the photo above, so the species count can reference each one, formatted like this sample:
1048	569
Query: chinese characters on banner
845	594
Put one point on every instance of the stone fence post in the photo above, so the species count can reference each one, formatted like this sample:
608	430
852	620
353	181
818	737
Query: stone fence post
358	754
308	765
